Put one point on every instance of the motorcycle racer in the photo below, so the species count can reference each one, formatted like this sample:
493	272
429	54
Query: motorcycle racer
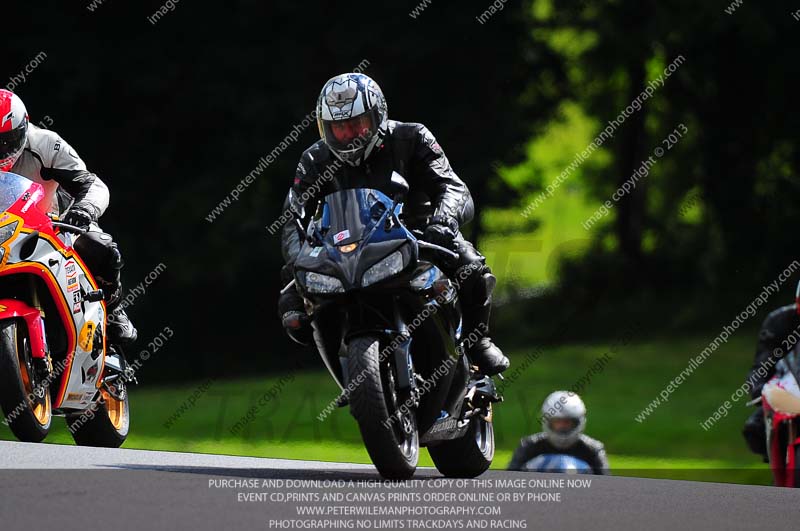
360	147
770	347
563	422
71	189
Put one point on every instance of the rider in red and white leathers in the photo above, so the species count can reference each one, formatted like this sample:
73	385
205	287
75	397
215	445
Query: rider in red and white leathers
72	192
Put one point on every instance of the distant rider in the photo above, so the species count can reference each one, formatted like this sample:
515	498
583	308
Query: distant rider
563	422
770	348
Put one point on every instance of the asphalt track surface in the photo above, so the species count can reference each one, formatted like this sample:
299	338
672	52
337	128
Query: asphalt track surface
68	487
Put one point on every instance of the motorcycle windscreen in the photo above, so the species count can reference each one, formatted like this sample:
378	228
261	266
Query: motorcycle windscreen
348	215
12	187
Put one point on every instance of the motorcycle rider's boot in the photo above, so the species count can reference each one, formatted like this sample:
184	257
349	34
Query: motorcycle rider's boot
102	255
488	357
483	352
475	292
120	328
754	433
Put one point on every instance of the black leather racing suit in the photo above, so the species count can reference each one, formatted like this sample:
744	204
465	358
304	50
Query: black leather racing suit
435	192
777	327
585	448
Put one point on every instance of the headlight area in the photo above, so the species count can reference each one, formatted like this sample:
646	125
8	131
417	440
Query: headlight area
6	233
319	283
389	266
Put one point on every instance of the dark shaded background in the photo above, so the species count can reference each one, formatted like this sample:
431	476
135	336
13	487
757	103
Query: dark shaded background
173	115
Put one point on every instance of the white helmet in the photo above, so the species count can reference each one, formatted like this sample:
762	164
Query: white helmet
352	116
559	406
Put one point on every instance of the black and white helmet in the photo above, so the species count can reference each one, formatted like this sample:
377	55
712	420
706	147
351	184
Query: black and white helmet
563	418
352	116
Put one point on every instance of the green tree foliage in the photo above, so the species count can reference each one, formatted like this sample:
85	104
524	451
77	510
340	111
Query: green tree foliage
721	204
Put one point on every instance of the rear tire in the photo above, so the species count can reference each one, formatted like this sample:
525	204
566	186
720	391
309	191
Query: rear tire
108	427
394	449
29	419
468	456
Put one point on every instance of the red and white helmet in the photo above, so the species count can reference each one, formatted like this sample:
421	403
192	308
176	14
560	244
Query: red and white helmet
13	129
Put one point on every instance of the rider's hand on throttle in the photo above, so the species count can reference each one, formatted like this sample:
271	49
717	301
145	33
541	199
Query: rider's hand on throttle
78	217
441	231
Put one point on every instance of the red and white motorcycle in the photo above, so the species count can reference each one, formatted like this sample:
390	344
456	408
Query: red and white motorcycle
780	401
54	359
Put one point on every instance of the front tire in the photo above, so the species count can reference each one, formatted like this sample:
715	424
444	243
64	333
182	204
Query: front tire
392	445
796	470
107	426
468	456
25	401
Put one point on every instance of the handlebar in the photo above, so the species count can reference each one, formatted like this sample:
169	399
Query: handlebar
438	248
69	228
288	287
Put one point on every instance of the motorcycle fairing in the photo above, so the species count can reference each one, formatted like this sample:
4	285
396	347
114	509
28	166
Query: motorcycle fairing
355	216
54	261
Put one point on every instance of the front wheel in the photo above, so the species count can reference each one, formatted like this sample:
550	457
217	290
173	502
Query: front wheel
105	423
24	396
389	431
468	456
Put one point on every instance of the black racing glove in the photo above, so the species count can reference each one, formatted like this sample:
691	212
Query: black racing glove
79	217
441	231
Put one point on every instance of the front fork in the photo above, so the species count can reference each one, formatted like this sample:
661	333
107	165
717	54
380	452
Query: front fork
399	339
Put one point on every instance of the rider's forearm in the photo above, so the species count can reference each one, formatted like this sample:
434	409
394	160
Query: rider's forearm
84	186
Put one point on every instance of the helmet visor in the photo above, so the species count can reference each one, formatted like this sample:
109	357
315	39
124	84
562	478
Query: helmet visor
562	425
350	134
12	142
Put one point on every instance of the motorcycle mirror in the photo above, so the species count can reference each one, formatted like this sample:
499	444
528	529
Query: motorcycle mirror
297	208
399	185
28	245
399	189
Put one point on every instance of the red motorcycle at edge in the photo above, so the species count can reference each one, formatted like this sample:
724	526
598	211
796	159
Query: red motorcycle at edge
54	356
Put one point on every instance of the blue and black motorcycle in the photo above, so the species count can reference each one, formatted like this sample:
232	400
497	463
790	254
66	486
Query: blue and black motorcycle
387	325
